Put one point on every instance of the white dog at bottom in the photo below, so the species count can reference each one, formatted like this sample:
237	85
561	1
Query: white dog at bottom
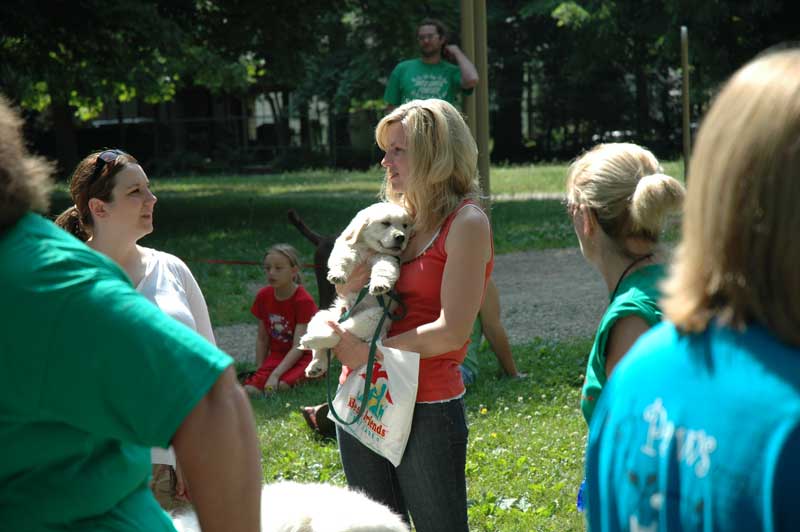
296	507
376	235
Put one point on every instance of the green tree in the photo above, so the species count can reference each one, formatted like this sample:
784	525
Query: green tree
74	58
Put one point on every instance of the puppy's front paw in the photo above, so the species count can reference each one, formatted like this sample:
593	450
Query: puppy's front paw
316	368
319	341
337	276
379	286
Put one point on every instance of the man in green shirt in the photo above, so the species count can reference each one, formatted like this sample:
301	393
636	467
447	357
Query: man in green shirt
429	76
92	375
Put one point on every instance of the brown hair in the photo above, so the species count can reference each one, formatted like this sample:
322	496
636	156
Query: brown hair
443	160
738	258
441	28
290	253
84	185
623	184
24	179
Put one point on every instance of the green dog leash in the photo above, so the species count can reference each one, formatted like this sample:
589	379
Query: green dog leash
373	347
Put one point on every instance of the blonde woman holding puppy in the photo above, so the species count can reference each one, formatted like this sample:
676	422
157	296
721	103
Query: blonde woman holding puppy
113	209
431	170
700	427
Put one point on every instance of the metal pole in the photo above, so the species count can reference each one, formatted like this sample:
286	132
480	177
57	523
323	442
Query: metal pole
482	98
468	46
687	133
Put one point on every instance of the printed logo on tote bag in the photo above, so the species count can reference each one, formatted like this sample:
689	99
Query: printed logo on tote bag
386	424
377	403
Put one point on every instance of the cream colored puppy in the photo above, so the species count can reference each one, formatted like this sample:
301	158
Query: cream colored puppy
295	507
377	235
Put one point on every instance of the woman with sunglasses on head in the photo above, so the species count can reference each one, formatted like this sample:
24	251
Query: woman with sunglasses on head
618	199
113	210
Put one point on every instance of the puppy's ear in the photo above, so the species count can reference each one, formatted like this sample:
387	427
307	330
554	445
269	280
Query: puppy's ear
354	228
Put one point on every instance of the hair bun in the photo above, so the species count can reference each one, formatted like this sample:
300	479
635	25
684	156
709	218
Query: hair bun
70	220
656	196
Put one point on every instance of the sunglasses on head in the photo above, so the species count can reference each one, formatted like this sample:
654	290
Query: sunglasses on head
104	158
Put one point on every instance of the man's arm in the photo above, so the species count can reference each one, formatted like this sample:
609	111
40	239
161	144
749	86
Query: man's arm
217	448
495	332
469	74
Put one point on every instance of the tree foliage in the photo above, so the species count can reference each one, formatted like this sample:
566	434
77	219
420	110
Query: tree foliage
562	74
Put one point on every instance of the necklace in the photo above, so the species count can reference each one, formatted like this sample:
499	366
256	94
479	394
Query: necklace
626	270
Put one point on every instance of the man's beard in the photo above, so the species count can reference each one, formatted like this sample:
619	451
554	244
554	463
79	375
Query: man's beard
430	53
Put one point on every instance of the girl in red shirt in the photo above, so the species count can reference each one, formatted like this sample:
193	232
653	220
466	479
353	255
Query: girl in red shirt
284	309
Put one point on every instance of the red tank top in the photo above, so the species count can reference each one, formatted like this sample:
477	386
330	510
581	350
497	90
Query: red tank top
419	287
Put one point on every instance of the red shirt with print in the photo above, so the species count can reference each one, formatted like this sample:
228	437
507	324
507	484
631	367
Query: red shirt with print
280	317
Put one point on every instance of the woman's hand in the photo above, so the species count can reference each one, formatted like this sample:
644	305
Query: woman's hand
351	350
357	280
181	488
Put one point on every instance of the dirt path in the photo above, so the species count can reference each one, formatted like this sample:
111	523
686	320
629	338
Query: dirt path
551	293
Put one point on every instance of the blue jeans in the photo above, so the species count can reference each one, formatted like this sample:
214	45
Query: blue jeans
429	483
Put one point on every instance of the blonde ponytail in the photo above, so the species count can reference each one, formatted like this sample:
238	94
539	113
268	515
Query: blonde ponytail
656	196
623	184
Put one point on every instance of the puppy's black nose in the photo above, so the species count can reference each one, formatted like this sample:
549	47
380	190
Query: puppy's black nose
399	238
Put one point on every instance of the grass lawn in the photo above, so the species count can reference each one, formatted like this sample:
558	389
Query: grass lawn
525	455
527	437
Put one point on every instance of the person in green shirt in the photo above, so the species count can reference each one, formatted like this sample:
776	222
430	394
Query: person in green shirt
618	200
92	375
429	76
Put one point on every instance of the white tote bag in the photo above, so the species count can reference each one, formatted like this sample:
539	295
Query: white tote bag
385	426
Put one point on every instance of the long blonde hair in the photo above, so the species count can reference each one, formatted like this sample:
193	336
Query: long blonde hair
739	260
443	160
625	186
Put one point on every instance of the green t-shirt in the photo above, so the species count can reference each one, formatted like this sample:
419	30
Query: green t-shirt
91	376
637	295
415	79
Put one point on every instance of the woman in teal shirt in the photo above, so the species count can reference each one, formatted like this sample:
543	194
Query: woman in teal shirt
618	199
700	427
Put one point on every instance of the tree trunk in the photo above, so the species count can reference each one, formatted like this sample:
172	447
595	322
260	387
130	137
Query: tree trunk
507	126
277	116
66	140
344	152
305	129
642	101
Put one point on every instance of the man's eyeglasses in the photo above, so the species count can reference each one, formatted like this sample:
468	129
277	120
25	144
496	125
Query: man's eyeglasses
427	36
104	158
